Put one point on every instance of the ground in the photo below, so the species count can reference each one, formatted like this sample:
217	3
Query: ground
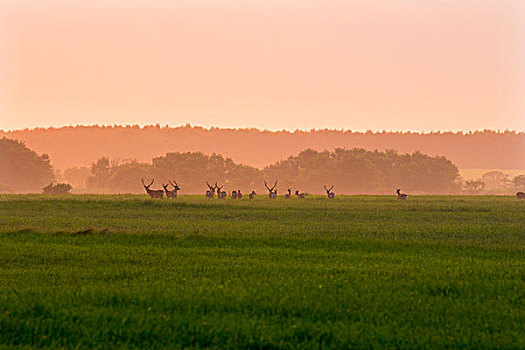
356	271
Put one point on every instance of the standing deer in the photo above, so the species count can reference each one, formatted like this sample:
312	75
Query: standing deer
234	194
176	189
272	192
289	194
210	193
520	195
252	195
239	194
401	195
299	195
329	192
220	194
153	193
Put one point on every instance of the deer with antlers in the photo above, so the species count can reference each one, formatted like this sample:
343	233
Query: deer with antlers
153	193
401	195
300	195
220	194
329	192
173	193
272	192
289	194
210	193
252	195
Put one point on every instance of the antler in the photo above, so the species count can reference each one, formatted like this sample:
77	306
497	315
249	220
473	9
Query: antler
328	189
210	187
268	188
176	184
149	184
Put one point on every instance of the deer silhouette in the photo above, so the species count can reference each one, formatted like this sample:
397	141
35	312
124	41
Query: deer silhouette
153	193
272	192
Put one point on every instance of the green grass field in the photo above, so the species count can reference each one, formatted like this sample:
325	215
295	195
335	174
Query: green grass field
354	272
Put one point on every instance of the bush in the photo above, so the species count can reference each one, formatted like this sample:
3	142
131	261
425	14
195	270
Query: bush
59	188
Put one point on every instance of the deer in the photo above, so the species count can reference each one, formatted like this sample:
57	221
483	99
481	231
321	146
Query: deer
176	189
220	194
234	194
252	195
300	195
289	194
520	195
329	192
153	193
210	193
239	194
401	195
272	192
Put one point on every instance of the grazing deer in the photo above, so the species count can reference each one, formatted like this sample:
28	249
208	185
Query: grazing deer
176	189
329	192
520	195
211	192
272	192
220	194
401	195
289	194
153	193
234	194
239	194
252	195
299	195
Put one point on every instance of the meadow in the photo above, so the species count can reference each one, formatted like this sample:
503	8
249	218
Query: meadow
125	271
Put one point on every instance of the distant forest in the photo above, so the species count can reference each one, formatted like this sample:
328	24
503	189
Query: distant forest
350	171
80	145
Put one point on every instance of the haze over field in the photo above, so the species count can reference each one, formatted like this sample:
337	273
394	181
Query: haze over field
81	146
261	82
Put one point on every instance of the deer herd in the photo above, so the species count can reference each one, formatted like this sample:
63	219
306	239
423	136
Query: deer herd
216	190
237	194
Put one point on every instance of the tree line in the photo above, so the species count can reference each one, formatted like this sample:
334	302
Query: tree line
350	171
81	145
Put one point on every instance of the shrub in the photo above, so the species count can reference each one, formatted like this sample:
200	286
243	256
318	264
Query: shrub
59	188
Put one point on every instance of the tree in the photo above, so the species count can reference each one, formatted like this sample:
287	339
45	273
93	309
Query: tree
22	169
474	186
77	176
100	171
519	182
496	179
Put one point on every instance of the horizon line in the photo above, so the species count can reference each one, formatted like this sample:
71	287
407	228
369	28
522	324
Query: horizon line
244	128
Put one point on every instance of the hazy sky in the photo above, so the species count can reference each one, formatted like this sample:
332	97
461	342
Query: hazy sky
390	64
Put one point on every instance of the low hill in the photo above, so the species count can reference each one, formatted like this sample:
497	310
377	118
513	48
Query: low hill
81	145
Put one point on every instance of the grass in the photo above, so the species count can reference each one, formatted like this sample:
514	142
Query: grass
354	272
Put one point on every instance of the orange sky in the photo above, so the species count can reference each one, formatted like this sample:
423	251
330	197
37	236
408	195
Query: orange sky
395	65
